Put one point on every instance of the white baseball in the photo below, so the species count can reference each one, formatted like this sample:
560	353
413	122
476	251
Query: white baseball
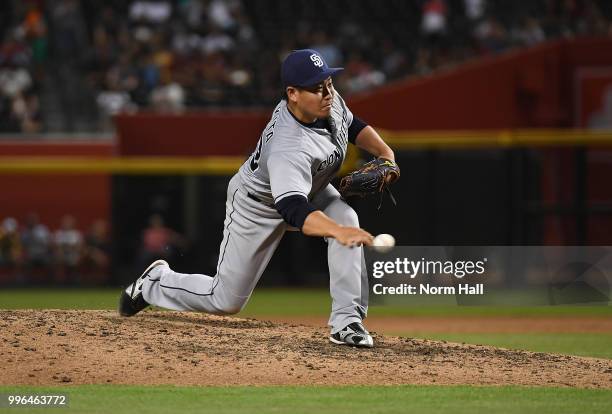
383	243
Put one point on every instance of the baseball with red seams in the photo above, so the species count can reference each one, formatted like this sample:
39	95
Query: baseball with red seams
383	242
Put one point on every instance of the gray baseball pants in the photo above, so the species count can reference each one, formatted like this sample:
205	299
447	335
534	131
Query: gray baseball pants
251	233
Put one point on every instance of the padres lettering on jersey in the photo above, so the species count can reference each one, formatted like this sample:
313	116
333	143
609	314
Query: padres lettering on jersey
330	161
265	137
291	158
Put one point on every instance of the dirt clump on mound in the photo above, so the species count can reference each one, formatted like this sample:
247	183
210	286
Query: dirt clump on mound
52	347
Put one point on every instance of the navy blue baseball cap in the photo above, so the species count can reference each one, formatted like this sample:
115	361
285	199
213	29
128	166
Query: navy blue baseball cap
305	67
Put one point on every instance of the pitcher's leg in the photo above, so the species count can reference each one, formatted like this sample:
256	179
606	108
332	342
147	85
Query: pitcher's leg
250	239
348	281
188	292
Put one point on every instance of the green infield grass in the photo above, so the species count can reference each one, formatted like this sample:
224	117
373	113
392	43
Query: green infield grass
311	399
286	302
597	345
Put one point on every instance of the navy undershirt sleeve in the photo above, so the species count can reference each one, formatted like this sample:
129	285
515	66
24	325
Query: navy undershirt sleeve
355	128
294	209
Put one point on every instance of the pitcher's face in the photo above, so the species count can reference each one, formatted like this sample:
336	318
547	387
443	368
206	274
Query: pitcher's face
313	102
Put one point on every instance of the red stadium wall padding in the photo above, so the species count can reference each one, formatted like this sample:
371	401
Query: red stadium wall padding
86	197
205	133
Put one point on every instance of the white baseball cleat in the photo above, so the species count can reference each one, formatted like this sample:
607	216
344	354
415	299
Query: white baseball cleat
354	334
131	301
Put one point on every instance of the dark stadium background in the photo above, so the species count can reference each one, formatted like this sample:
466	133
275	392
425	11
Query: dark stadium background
496	109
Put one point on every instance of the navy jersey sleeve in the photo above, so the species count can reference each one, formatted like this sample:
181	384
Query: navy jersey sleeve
294	209
355	128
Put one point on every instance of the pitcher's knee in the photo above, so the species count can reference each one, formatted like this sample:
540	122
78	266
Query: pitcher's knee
231	305
230	310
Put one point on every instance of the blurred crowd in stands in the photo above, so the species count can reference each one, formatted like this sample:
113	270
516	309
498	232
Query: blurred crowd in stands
31	253
69	65
23	53
159	241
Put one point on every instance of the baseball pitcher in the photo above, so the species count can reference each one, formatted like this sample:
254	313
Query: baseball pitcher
285	185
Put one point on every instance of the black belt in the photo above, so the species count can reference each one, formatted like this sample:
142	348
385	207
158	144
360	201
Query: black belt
252	197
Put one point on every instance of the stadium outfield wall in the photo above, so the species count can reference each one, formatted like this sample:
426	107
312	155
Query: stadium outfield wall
492	97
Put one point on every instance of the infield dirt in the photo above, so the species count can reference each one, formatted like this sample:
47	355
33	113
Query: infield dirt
53	347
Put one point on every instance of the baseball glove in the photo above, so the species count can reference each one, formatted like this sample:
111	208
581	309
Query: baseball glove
373	177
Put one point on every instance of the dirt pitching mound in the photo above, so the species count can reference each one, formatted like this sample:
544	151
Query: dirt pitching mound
96	347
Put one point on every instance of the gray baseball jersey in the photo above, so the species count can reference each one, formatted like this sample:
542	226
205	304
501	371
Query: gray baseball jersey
290	158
